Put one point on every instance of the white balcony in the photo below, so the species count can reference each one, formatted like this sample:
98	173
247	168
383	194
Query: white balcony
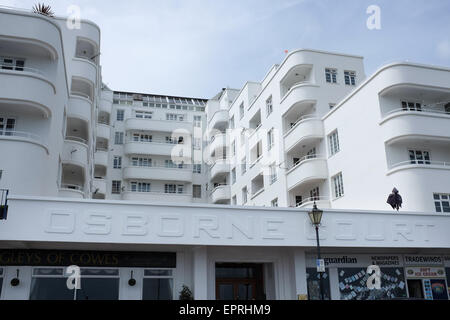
101	158
29	89
80	107
84	68
221	194
71	191
219	120
103	131
218	143
220	168
149	148
305	130
419	164
309	169
26	137
158	125
157	197
321	202
75	152
301	92
158	173
99	186
399	124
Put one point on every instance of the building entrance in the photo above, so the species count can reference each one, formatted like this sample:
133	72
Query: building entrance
239	281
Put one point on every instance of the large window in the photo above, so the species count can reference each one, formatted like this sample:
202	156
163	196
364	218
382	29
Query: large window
96	284
333	142
419	157
175	117
350	78
118	138
158	284
338	185
442	202
140	186
143	114
142	137
120	115
12	63
116	187
269	106
141	162
197	168
331	75
411	106
7	126
117	163
173	188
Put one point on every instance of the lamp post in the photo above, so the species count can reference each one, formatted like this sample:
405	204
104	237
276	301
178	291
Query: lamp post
315	215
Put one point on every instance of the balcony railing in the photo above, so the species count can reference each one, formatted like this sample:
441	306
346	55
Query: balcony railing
9	67
303	118
311	200
81	94
445	164
161	165
77	139
418	111
306	158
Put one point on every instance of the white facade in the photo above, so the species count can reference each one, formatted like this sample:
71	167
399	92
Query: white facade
170	191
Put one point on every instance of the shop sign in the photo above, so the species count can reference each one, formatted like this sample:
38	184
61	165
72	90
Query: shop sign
425	272
423	260
382	260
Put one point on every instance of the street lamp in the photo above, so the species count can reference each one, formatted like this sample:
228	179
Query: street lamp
315	215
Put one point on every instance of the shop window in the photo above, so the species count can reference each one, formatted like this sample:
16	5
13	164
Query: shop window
353	284
313	283
158	284
96	284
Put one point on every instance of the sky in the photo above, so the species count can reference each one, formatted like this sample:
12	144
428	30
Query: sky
197	47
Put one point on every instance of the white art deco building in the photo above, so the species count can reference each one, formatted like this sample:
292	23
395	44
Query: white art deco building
213	193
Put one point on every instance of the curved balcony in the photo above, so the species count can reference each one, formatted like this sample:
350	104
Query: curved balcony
305	129
157	197
151	148
158	125
75	152
80	107
400	123
220	168
219	120
103	131
84	68
301	92
321	202
36	33
99	186
89	30
26	137
219	141
101	158
221	194
309	169
419	164
71	191
29	89
158	173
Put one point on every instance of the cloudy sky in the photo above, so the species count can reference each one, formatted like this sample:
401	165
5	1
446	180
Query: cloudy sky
197	47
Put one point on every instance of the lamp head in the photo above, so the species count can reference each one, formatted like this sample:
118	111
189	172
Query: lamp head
315	215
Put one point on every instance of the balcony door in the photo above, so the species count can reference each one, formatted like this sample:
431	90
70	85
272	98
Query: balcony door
239	282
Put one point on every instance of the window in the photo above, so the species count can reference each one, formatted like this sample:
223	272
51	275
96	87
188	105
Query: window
244	195
116	187
173	188
234	200
442	202
198	121
274	202
243	166
333	140
331	75
338	185
142	137
419	157
140	187
12	64
120	115
411	106
350	78
273	174
141	162
197	143
314	194
173	165
269	106
197	191
143	114
118	138
233	148
7	126
270	139
175	117
117	163
241	111
197	168
233	176
157	284
232	123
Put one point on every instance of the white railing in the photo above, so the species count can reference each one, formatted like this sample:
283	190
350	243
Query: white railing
21	134
68	186
77	139
445	164
219	186
81	94
157	141
298	84
299	120
306	158
311	200
160	166
9	67
418	111
158	192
